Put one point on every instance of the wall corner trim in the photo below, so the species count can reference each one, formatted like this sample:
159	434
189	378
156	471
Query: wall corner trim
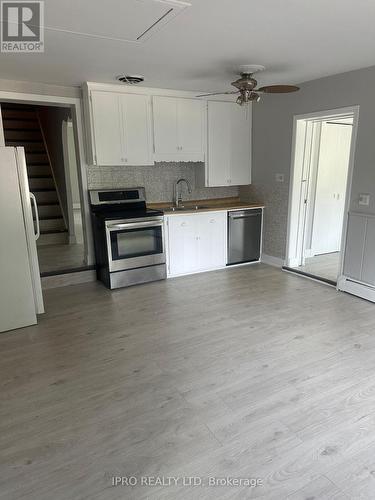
271	260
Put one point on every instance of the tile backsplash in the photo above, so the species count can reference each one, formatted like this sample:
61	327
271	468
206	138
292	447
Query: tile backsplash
158	181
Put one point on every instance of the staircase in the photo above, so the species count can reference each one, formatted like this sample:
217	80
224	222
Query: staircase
22	128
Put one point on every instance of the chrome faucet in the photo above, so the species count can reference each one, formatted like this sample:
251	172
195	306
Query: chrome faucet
177	193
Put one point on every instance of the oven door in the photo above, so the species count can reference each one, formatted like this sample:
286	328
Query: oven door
135	244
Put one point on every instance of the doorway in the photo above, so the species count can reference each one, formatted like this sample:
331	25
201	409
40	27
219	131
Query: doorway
48	137
321	176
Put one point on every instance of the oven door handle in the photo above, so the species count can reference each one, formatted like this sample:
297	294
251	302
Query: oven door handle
134	225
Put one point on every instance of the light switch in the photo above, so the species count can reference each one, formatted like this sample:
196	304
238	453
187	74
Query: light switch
364	199
279	177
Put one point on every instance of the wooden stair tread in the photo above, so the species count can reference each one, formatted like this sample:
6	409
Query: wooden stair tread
49	217
53	231
41	176
43	190
37	164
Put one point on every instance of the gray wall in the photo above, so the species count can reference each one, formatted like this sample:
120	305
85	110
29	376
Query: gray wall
158	181
272	143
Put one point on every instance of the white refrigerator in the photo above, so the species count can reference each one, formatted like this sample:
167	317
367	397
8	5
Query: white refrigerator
21	296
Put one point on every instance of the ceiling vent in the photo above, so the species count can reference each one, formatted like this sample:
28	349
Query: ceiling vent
130	79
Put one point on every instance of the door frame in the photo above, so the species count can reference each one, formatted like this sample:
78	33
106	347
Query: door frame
75	104
298	187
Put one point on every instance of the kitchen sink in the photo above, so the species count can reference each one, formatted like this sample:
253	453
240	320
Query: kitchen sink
188	209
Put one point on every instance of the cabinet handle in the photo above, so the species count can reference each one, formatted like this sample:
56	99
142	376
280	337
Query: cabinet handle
212	221
183	224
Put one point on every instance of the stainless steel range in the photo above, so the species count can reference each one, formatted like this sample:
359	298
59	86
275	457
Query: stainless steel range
128	237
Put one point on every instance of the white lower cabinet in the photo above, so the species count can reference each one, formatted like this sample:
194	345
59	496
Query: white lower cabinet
196	242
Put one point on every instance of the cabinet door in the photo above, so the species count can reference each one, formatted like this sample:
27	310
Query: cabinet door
183	244
107	130
165	126
136	122
240	157
219	143
190	121
212	240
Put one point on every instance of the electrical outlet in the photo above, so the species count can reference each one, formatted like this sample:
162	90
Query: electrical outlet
364	199
279	177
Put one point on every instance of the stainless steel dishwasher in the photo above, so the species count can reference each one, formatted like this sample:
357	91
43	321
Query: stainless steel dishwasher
244	235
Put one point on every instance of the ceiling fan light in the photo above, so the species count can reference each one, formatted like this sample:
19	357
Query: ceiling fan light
240	100
254	97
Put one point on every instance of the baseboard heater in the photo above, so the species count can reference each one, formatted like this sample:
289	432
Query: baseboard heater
357	288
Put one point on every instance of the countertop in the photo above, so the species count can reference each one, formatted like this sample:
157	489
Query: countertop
216	204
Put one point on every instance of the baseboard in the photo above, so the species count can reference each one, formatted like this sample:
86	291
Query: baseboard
271	260
362	290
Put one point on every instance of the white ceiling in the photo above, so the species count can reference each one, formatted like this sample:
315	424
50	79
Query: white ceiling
200	49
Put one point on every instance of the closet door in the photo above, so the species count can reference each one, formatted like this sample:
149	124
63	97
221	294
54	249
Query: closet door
331	183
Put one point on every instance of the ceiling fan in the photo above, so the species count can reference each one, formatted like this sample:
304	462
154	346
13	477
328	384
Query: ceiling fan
246	86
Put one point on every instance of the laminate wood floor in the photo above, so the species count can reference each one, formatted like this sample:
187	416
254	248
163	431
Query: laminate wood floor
247	372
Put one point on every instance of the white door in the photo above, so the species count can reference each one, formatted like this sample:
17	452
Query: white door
108	142
183	244
331	183
17	306
165	126
219	143
190	113
240	160
212	235
136	125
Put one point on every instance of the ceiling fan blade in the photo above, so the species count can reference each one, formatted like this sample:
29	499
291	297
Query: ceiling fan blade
278	89
219	93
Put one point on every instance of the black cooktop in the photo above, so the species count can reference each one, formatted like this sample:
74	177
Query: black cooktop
121	203
112	213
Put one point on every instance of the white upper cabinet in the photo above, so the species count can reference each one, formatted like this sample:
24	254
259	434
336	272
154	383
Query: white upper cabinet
107	130
219	144
137	129
121	129
240	151
179	129
165	126
229	144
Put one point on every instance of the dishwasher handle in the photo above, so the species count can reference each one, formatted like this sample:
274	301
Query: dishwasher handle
245	214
